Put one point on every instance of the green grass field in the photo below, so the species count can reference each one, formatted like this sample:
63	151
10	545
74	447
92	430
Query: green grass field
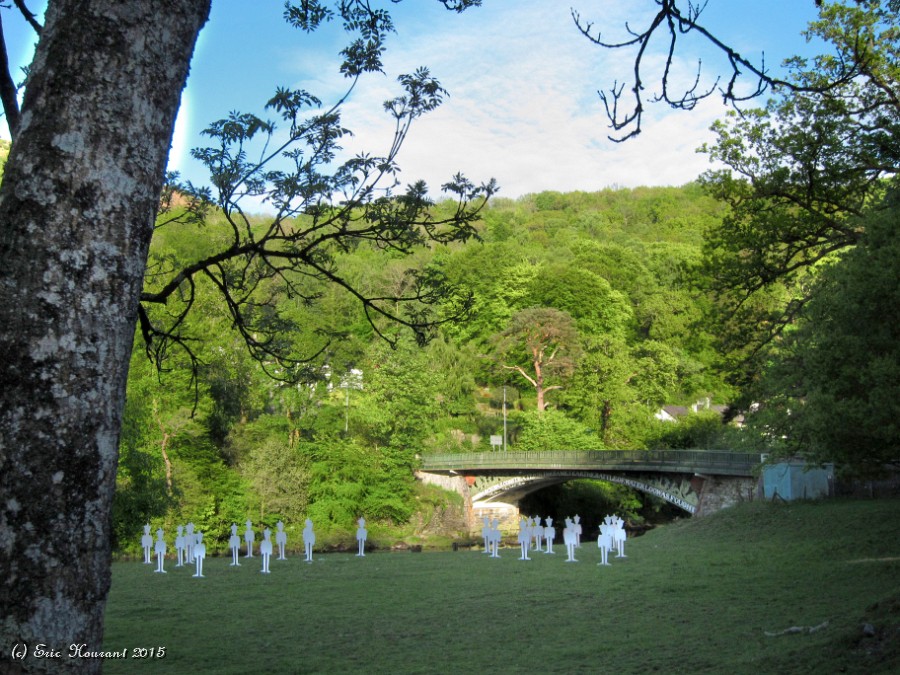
694	596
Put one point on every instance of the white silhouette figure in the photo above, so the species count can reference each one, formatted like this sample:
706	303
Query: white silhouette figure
146	543
234	543
199	553
249	537
280	539
160	548
577	521
309	539
179	545
189	541
549	535
265	550
537	533
361	534
495	537
604	542
619	537
569	540
524	538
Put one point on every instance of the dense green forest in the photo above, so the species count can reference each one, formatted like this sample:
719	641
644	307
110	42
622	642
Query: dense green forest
585	312
609	280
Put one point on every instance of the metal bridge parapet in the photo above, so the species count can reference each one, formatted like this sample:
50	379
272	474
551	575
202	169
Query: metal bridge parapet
712	462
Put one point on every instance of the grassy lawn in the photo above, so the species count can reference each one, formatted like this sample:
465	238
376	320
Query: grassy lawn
694	596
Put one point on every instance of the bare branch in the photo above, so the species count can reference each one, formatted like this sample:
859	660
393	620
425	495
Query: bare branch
671	23
29	16
522	372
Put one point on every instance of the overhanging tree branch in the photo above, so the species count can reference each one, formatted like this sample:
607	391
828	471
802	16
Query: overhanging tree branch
669	24
321	209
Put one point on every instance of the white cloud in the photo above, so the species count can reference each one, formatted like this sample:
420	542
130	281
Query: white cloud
523	105
523	109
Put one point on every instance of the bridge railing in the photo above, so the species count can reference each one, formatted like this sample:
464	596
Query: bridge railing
712	461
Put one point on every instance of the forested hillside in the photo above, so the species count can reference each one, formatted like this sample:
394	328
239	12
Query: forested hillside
602	286
329	345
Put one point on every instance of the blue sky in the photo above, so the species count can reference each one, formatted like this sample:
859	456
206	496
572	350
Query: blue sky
523	105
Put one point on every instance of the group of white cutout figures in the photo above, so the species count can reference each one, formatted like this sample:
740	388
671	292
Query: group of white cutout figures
531	534
191	549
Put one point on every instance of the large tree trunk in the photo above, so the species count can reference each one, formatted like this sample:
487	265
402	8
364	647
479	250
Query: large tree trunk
77	204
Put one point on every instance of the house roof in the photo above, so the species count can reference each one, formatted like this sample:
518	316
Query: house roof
676	410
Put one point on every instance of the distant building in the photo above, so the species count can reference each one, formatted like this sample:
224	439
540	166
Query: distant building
672	413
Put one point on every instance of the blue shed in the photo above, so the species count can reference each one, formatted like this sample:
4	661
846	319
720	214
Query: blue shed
797	480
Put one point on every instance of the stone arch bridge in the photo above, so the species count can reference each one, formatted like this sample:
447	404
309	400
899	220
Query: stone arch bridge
697	481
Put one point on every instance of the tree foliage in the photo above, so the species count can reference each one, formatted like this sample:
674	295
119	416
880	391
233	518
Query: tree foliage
833	393
319	212
803	171
551	429
540	344
810	180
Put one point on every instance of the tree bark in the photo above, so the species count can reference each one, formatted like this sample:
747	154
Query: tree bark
77	205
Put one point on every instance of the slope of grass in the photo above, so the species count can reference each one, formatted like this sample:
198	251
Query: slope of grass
734	592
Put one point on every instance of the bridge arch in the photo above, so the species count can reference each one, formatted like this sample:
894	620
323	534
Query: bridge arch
679	490
696	481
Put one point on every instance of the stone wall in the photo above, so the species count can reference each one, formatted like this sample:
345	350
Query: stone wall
455	484
506	514
719	492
